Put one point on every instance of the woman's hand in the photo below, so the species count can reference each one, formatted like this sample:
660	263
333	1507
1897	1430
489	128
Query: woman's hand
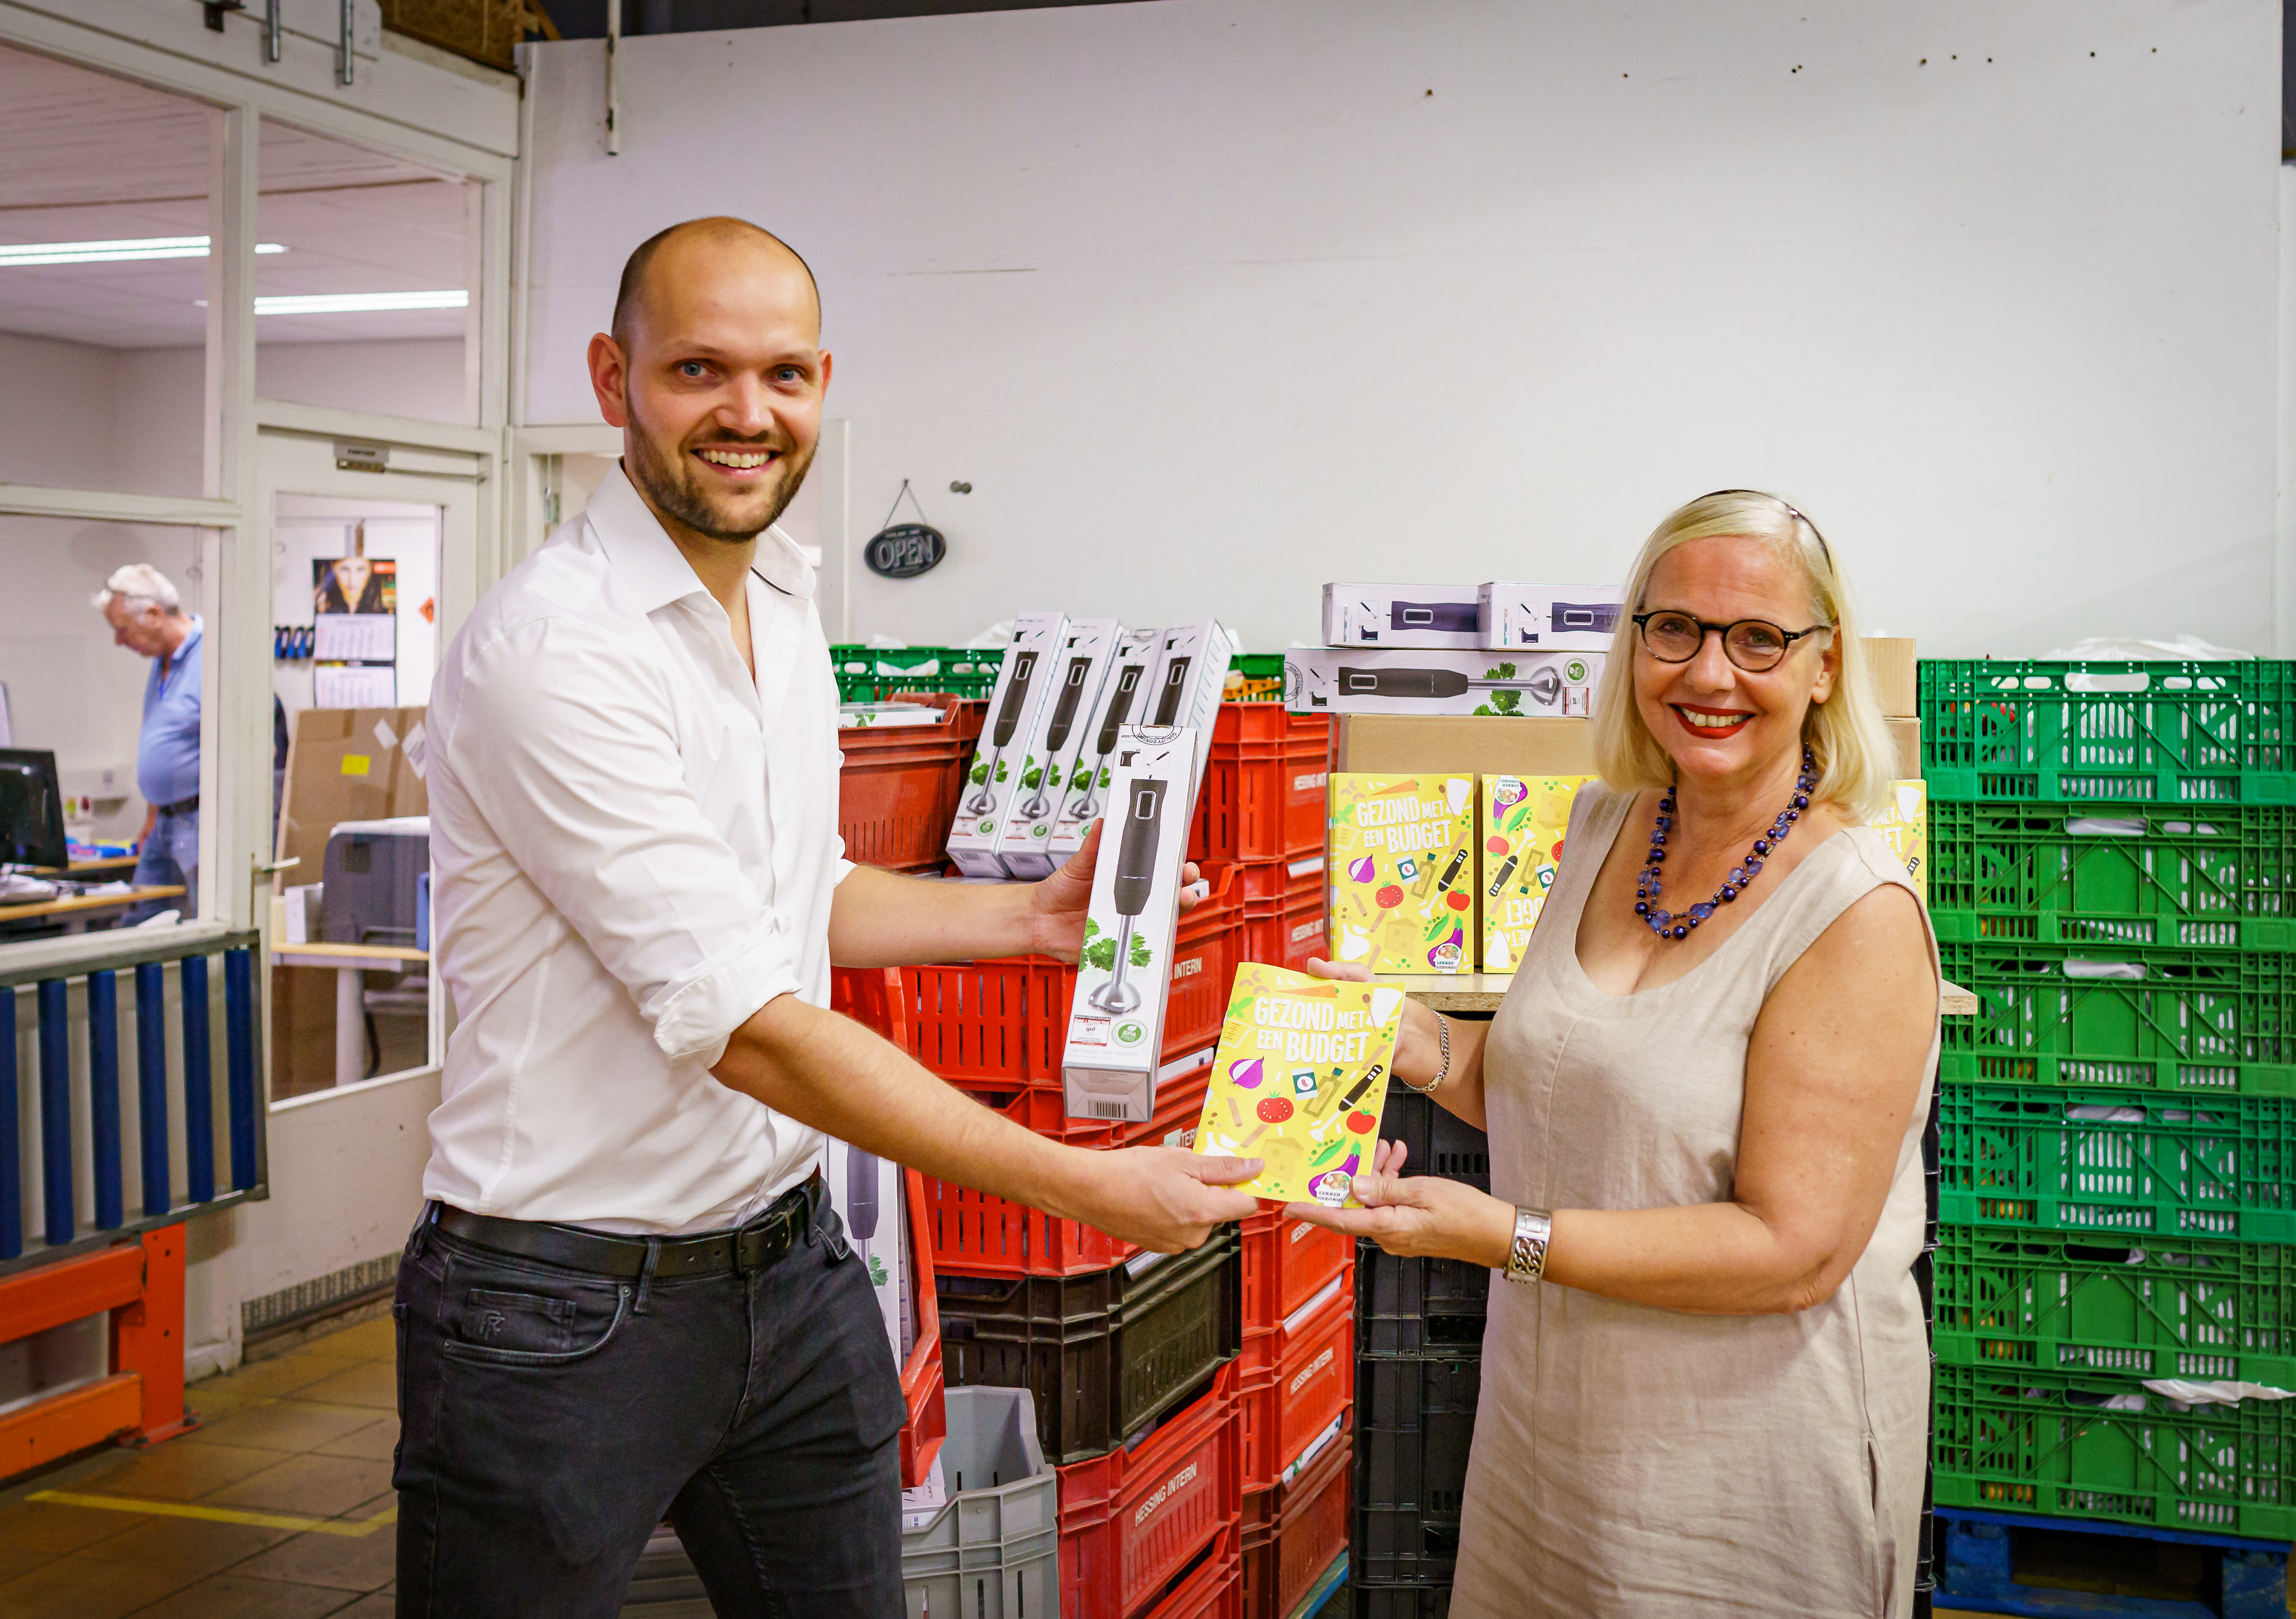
1420	1216
1418	1047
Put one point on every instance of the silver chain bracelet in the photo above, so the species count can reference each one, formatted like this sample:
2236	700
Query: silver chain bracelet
1443	1038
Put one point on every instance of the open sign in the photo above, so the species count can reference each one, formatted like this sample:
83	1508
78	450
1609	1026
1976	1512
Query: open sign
905	551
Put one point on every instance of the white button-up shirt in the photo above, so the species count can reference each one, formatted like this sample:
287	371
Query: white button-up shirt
636	847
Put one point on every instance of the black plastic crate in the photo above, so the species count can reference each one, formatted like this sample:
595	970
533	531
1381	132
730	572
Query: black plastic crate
1399	1601
1406	1308
1104	1353
1414	1423
1440	1143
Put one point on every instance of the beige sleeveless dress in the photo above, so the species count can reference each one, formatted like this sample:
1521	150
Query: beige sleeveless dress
1632	1462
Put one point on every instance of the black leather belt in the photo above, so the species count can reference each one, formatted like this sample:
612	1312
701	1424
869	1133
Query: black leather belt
759	1246
181	807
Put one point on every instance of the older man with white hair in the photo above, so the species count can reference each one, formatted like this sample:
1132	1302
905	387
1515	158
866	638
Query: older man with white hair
147	618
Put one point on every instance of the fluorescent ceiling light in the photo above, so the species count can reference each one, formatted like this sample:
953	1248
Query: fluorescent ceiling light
361	303
113	252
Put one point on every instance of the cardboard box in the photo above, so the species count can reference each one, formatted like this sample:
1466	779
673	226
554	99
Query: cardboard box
1907	735
1000	758
1024	838
1189	679
346	764
1523	820
1424	615
1109	1065
1549	618
1895	682
1352	681
1403	872
1084	794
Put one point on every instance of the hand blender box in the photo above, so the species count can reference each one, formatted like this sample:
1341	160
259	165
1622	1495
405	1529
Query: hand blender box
1299	1081
1116	1023
1025	836
1000	758
1403	877
1523	822
865	1190
1353	680
1549	618
1189	679
1084	794
1401	616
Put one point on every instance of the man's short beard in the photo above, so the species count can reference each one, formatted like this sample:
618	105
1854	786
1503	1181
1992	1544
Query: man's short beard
676	498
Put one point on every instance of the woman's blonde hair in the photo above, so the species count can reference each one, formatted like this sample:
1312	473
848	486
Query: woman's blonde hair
1856	762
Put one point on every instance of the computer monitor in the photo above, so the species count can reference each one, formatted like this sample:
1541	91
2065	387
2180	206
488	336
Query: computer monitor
31	810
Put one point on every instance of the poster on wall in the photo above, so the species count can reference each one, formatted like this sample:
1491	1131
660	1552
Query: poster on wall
354	584
355	639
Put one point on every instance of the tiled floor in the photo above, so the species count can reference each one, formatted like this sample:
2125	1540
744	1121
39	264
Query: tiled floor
279	1507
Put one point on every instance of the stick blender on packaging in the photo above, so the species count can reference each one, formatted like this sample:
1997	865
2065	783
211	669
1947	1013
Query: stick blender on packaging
1427	684
1136	867
1008	720
1057	735
1119	709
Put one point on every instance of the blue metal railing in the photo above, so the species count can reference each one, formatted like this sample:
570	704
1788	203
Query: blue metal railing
85	1140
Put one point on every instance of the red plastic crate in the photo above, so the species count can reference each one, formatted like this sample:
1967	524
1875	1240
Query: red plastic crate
976	1234
1286	1263
1301	1529
1284	933
1296	1380
1212	1589
896	793
1283	880
1001	1023
1132	1519
920	1376
1263	796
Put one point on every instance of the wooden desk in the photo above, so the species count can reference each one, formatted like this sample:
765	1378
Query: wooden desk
348	962
88	870
1481	992
80	908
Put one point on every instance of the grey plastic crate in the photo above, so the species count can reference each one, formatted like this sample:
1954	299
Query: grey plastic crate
991	1552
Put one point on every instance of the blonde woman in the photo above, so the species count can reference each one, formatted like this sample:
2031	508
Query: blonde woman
1704	1093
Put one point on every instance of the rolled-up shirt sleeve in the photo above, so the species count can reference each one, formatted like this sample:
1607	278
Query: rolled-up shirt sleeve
565	744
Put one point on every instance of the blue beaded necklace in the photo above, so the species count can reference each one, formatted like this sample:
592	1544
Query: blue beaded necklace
1665	924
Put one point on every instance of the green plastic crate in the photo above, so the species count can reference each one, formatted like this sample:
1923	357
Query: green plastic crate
2018	1439
867	675
2127	1164
2131	732
1263	674
2169	1307
2114	873
2199	1022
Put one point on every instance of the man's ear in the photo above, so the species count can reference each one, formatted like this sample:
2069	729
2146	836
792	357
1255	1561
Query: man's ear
610	379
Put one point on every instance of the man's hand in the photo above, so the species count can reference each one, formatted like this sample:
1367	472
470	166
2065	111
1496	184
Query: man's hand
1058	903
1166	1198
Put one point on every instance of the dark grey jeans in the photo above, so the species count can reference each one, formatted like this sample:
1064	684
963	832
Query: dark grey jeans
550	1419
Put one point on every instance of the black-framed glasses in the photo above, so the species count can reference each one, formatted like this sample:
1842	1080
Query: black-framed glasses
1755	645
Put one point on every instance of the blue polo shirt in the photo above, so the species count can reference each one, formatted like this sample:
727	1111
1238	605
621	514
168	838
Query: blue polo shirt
167	757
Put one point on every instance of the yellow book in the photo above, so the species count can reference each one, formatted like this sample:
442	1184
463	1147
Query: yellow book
1402	893
1906	824
1300	1079
1523	822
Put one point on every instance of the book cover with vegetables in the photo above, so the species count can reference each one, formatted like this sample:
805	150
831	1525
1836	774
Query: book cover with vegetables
1906	824
1523	822
1300	1079
1403	895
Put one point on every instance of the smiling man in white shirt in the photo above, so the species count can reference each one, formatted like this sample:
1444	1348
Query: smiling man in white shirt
626	1298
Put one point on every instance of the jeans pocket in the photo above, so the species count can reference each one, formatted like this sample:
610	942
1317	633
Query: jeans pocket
501	1317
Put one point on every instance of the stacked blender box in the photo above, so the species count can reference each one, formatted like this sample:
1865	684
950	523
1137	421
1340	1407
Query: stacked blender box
1490	649
1141	1401
2111	873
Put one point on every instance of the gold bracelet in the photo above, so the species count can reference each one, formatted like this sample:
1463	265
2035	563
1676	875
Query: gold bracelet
1443	1036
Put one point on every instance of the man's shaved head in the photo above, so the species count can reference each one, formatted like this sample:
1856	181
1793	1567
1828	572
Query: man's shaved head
717	231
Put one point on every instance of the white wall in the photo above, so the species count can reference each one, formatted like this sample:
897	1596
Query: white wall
1215	299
